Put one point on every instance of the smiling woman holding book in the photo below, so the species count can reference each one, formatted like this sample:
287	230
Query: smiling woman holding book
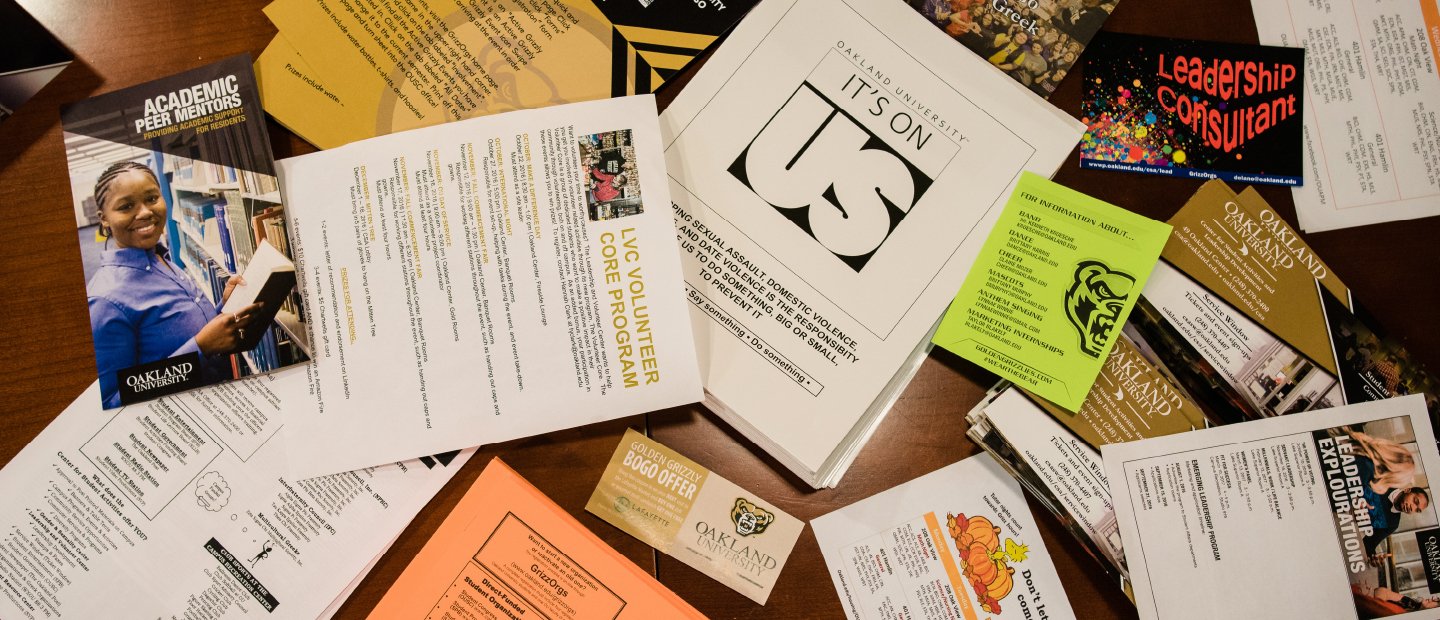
143	308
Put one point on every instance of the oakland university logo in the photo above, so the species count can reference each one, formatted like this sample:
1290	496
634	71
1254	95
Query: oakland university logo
1094	302
828	174
749	518
159	378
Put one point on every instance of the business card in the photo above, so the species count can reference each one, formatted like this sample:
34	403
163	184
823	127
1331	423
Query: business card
697	517
1051	289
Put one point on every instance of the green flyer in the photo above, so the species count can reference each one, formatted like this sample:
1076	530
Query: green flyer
1051	289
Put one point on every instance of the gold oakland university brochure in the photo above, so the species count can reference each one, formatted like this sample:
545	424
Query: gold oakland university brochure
688	512
832	187
485	280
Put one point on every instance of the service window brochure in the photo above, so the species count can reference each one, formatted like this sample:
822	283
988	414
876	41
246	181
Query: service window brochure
958	542
1035	42
1323	515
1132	399
507	551
488	279
180	508
29	58
1054	281
693	515
175	194
1245	252
1057	467
832	186
1253	324
340	72
1372	134
1195	109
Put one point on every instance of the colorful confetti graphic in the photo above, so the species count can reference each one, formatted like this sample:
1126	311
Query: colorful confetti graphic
1193	109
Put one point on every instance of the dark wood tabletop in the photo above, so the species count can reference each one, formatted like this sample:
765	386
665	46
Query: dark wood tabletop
47	360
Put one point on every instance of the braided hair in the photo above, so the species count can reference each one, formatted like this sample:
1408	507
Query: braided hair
102	185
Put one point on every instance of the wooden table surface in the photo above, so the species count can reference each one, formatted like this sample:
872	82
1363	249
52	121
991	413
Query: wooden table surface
47	357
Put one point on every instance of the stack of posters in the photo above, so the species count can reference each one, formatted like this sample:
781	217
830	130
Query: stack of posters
507	551
959	542
172	180
1194	109
1035	42
339	73
832	187
486	280
1334	504
1372	131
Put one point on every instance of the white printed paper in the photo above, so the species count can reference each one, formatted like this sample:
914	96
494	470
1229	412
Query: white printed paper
485	280
1372	134
1300	516
180	508
958	542
832	187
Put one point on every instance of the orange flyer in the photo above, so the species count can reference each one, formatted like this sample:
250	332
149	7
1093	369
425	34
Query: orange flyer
507	552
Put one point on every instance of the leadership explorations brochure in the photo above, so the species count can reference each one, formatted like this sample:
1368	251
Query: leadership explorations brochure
184	235
1334	504
832	187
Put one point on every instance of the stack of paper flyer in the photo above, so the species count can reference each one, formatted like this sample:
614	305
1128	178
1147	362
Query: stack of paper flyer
831	188
173	508
1055	453
959	542
486	280
1241	321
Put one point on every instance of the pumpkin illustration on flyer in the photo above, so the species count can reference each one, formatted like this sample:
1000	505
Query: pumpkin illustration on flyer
986	562
1194	109
959	542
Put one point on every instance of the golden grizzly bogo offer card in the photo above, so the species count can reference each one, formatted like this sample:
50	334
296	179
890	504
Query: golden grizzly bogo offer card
694	516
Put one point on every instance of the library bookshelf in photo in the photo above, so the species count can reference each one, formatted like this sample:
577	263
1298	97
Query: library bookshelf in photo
220	216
